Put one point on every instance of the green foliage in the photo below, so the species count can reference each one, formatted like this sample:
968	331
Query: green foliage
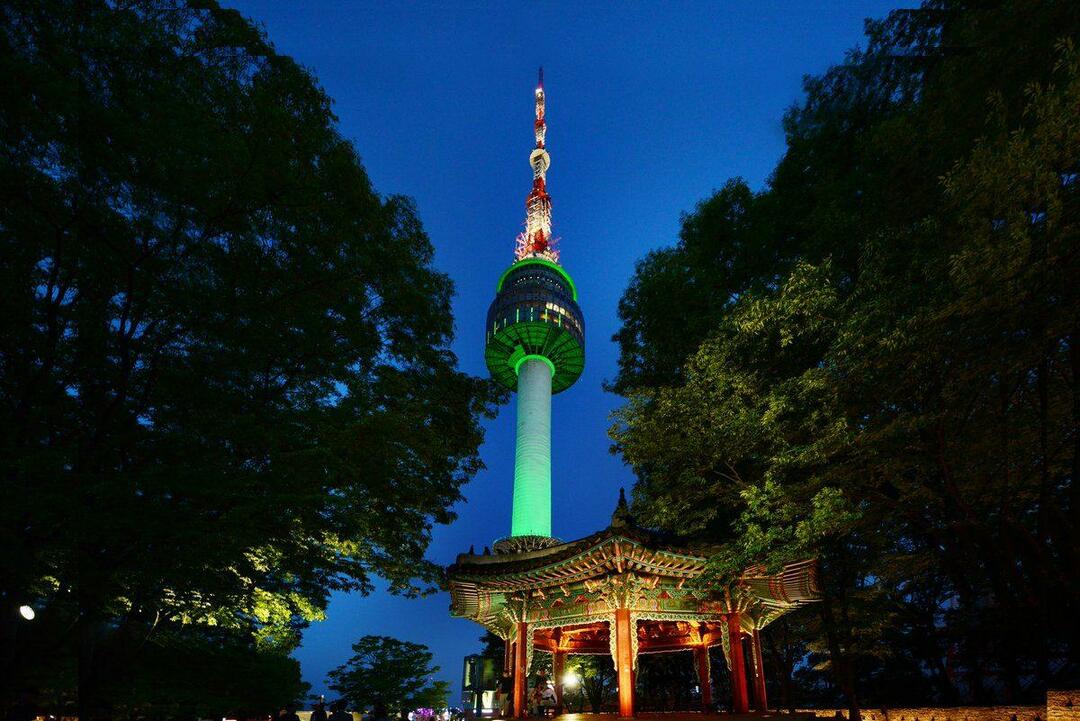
774	529
665	682
598	680
390	677
226	387
889	383
170	670
212	673
699	277
493	646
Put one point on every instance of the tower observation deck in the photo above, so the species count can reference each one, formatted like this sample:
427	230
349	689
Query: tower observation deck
535	345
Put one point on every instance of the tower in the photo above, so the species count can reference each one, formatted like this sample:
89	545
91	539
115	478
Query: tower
540	594
535	345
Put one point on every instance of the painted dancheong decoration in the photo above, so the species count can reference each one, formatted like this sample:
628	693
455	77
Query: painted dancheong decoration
624	590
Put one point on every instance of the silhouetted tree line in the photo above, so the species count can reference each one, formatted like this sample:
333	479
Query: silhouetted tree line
874	360
226	388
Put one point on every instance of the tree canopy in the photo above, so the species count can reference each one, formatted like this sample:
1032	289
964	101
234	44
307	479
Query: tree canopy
492	646
390	677
873	360
226	388
598	681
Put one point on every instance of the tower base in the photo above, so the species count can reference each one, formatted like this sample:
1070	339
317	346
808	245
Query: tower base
523	544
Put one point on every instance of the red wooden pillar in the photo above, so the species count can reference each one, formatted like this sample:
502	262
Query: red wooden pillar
761	700
625	662
740	703
521	674
701	657
558	670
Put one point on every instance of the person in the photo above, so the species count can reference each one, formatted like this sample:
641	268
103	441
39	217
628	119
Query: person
319	712
379	712
288	713
506	695
338	712
548	698
534	698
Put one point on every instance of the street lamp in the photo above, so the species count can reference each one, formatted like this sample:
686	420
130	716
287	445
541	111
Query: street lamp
570	680
27	612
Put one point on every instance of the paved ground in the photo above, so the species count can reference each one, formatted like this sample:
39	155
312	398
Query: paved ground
684	716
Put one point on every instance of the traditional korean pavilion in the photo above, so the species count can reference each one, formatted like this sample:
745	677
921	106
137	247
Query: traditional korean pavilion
624	590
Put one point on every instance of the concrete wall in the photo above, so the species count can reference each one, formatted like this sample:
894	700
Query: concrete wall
1063	706
1060	706
929	713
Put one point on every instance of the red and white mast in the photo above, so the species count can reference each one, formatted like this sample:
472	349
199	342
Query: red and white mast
536	241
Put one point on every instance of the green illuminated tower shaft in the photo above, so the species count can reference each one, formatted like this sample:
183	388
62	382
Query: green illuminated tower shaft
535	345
532	455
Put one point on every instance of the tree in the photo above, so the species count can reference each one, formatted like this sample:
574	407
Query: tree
390	677
207	671
598	679
226	387
493	646
665	681
893	390
698	277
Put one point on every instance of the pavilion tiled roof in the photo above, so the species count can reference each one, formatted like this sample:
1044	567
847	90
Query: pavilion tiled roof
516	564
486	587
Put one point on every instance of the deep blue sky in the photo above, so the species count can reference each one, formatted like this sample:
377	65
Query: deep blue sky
650	107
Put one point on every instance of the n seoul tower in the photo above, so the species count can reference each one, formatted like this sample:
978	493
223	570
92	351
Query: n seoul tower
535	345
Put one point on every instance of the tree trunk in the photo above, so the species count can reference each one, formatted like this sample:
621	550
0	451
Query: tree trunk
783	667
1044	536
88	675
9	632
843	673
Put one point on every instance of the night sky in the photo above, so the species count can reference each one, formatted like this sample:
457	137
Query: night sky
649	108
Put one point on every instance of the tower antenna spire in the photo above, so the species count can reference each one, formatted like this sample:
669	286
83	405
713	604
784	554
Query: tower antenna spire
536	241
